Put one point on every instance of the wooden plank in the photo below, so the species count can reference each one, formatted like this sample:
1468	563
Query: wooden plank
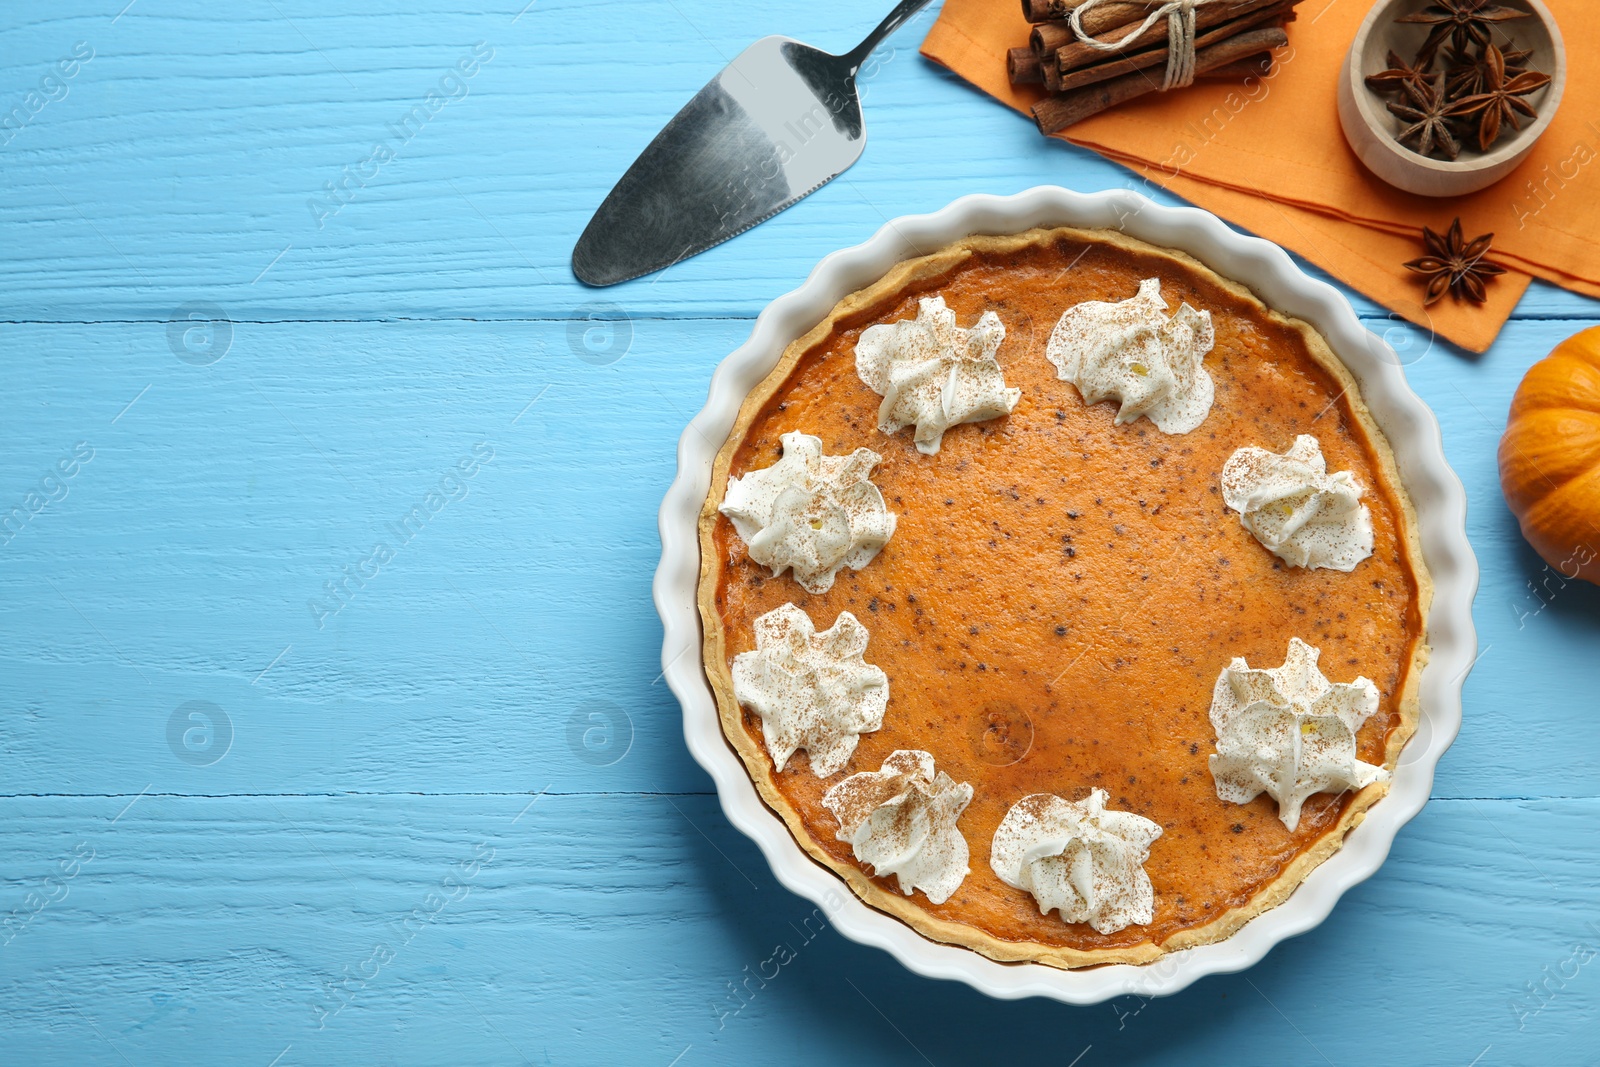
609	929
139	193
184	559
181	563
1530	620
224	909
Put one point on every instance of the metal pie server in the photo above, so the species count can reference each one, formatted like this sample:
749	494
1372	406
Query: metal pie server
780	121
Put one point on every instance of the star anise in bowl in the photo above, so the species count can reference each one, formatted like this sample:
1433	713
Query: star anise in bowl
1500	100
1469	94
1465	74
1461	22
1455	265
1426	113
1400	75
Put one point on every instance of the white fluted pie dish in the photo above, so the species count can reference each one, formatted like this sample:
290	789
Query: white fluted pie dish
1409	426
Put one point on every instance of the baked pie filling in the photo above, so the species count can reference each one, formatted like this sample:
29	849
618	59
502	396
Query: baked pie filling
1134	563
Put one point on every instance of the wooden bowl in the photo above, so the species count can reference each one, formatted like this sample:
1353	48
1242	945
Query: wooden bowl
1372	130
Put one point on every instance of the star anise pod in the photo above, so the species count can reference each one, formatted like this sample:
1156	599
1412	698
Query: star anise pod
1464	72
1427	111
1461	22
1455	265
1400	75
1500	100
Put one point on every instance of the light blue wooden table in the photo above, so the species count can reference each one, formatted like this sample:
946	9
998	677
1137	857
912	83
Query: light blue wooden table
269	795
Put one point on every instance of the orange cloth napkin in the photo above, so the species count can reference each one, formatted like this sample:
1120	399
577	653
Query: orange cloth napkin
1270	157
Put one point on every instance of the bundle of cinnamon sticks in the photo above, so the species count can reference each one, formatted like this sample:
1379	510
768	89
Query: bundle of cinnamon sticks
1233	40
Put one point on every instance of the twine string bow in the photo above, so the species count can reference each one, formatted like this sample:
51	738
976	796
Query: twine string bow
1180	37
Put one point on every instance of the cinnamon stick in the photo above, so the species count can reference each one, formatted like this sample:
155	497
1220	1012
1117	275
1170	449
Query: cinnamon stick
1052	10
1057	112
1023	66
1101	18
1050	75
1044	10
1256	66
1074	53
1075	77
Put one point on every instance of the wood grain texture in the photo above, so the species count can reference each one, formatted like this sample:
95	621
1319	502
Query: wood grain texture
181	161
248	924
506	646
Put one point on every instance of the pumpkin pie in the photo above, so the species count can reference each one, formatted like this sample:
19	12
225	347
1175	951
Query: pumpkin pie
1063	598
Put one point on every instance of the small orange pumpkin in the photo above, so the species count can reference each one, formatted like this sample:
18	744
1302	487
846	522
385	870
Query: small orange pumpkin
1550	456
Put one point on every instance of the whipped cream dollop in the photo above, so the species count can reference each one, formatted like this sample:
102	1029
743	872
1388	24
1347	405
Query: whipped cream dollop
1131	351
1289	732
812	690
933	374
1301	513
1079	858
901	820
811	513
